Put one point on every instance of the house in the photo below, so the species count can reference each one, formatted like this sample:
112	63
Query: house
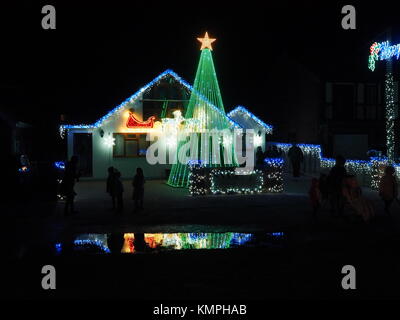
120	138
248	120
353	120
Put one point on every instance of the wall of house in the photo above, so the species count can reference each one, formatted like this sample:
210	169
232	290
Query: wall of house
103	154
355	110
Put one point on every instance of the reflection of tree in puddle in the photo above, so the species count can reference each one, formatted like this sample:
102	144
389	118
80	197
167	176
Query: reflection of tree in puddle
143	242
178	241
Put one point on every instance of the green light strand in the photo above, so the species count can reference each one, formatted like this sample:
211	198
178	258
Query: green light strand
206	85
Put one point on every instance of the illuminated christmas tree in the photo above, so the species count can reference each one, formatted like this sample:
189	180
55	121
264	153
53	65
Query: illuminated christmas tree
207	110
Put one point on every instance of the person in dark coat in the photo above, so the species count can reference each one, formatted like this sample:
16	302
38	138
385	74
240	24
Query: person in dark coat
296	158
268	153
259	157
110	185
315	196
388	187
71	176
118	191
335	185
275	152
138	188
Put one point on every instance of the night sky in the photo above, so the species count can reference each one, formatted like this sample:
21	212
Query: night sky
102	53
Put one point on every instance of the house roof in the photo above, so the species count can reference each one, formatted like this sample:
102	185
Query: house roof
137	94
247	120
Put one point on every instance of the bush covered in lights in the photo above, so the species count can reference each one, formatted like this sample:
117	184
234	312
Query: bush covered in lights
199	181
273	174
205	180
226	181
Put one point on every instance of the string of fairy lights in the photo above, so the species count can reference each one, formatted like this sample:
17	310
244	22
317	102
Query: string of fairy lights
372	168
204	180
227	175
390	115
385	51
121	107
242	110
274	175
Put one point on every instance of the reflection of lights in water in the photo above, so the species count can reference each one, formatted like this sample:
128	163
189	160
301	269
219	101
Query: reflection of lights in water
241	238
176	241
128	246
277	234
58	247
23	169
196	236
96	240
97	243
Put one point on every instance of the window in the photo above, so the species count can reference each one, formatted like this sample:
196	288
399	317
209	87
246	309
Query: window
360	112
343	102
371	95
129	145
371	112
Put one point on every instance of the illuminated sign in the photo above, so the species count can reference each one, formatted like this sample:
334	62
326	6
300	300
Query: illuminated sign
382	51
135	123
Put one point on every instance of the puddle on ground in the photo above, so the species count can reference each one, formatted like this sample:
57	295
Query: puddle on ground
129	243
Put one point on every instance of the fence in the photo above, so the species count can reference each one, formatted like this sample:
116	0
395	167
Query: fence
368	172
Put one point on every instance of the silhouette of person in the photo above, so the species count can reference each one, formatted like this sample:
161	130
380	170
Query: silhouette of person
110	185
315	196
275	152
71	175
115	242
139	242
335	185
268	152
296	158
259	157
119	190
138	188
388	187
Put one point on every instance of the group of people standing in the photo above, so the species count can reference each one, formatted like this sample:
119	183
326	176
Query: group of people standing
295	155
271	152
114	187
341	189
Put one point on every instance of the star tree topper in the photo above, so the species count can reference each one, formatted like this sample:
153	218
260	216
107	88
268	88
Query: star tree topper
206	42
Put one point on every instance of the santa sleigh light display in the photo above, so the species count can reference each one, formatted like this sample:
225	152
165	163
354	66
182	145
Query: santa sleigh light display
135	123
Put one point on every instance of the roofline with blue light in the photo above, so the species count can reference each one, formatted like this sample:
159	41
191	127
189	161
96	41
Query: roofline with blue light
268	127
142	90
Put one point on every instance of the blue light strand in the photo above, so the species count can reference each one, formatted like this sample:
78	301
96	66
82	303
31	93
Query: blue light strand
242	109
356	165
60	165
241	238
96	243
274	161
137	94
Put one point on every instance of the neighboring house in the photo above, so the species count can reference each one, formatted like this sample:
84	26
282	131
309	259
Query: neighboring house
118	139
15	136
353	119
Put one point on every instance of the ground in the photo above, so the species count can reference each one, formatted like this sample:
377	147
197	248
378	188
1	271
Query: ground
307	264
